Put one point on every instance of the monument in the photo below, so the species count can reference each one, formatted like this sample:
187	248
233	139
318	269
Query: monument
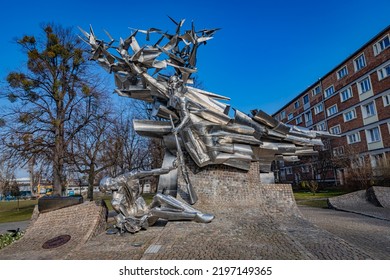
196	125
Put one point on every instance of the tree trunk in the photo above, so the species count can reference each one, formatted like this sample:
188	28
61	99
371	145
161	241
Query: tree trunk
58	161
91	180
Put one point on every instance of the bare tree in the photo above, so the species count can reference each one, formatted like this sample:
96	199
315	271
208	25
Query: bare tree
357	168
132	150
92	149
45	96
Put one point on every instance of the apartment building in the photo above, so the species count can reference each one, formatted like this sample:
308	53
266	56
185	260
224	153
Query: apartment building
352	101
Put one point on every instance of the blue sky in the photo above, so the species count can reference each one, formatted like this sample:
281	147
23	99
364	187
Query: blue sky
266	53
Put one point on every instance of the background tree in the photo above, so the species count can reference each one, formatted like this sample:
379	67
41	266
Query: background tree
132	151
93	150
45	96
357	169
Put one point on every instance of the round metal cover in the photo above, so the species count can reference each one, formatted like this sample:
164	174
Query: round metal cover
56	241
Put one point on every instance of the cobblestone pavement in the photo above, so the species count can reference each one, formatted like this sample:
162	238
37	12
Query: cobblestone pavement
240	234
369	234
256	222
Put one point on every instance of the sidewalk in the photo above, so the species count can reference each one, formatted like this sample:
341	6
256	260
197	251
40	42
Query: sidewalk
22	225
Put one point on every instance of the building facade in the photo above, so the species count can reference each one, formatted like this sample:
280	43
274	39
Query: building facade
352	101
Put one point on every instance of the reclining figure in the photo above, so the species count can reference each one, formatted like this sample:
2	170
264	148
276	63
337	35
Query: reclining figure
132	212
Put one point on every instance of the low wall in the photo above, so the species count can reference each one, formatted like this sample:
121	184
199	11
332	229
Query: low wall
80	222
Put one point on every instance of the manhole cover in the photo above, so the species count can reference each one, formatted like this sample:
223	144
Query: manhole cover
56	242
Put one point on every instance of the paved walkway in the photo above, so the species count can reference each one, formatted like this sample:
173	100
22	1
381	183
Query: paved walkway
22	225
266	224
240	234
371	235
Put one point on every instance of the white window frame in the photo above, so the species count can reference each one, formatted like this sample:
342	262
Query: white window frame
350	115
370	134
362	89
289	170
297	104
386	100
316	90
379	47
359	62
321	126
290	116
282	115
353	138
308	118
308	99
384	72
369	109
318	108
328	111
305	168
299	119
333	128
342	72
327	94
337	151
348	95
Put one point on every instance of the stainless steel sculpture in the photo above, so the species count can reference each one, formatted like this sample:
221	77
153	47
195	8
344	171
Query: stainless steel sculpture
196	120
132	212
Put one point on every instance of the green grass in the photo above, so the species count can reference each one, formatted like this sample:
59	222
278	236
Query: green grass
317	200
9	209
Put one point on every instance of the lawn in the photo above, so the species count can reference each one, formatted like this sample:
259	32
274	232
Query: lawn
9	211
315	200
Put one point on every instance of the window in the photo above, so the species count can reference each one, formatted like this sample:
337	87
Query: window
288	170
373	135
335	130
368	110
346	94
350	115
386	100
359	62
277	117
283	115
332	110
353	138
308	118
316	90
338	151
296	104
364	85
299	119
305	168
318	109
342	72
384	72
381	45
321	126
329	91
306	99
290	116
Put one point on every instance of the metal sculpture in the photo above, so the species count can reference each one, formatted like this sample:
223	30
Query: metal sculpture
132	212
195	119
